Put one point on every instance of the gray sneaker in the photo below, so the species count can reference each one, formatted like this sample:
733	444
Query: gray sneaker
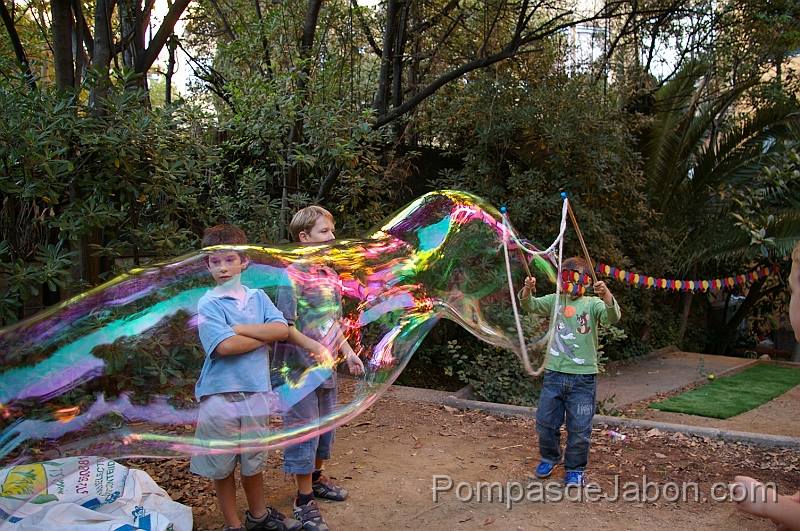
310	517
326	489
273	520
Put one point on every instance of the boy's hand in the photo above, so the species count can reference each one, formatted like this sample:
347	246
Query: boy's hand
529	288
320	353
354	364
602	291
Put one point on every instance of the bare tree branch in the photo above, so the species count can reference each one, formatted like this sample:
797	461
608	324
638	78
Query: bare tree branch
225	25
432	21
522	36
441	81
160	39
264	42
215	81
365	28
490	29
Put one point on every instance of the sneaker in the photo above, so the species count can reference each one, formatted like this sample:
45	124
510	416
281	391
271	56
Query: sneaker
325	489
573	478
310	517
273	520
544	469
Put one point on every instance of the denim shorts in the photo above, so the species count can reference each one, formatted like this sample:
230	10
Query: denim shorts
233	427
300	458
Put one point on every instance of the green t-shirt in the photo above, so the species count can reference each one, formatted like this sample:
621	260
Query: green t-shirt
573	345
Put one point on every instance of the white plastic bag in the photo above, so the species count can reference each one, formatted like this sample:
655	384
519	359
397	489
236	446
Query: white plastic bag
86	493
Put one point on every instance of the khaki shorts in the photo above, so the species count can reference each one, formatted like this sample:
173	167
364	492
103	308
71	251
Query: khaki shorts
233	427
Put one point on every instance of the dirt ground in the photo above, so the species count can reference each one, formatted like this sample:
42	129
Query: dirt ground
389	455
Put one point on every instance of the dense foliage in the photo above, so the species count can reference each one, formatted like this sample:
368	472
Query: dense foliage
675	134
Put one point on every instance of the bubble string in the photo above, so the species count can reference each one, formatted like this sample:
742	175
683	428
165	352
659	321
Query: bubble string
562	228
517	321
580	240
520	335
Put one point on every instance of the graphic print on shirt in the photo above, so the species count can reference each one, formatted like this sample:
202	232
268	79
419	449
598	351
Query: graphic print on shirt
584	327
563	337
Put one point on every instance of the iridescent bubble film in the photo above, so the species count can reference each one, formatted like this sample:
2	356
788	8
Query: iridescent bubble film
112	372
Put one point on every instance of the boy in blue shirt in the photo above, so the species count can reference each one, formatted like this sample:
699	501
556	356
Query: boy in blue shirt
235	325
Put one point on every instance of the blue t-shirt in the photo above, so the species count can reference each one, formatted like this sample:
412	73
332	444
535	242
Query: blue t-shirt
218	313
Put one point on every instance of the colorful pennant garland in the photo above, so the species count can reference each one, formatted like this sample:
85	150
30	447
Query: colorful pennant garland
573	283
714	284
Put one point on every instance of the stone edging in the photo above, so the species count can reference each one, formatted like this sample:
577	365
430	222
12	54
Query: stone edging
758	439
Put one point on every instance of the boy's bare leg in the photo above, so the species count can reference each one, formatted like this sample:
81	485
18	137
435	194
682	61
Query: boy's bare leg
303	483
226	497
323	486
318	464
254	492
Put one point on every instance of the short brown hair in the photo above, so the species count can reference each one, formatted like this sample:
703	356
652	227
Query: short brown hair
577	263
305	218
223	235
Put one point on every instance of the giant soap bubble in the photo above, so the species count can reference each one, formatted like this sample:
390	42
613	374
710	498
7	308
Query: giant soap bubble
112	372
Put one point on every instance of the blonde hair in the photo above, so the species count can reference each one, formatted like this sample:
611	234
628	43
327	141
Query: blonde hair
304	220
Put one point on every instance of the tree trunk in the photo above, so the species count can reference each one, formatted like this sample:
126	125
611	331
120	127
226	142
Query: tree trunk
19	51
83	29
727	332
131	22
382	94
291	179
397	60
264	41
101	58
62	27
686	303
81	59
172	45
131	37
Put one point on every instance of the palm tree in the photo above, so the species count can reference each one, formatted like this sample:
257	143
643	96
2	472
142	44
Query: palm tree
708	162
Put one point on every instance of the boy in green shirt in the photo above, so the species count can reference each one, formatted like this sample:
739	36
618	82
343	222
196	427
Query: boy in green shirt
570	379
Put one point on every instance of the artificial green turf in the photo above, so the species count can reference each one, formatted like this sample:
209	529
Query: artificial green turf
727	397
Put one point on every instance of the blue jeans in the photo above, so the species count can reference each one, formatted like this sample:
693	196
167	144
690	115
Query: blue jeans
573	396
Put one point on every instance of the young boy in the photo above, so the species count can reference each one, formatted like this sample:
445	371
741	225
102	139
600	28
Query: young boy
570	378
757	498
235	325
315	321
